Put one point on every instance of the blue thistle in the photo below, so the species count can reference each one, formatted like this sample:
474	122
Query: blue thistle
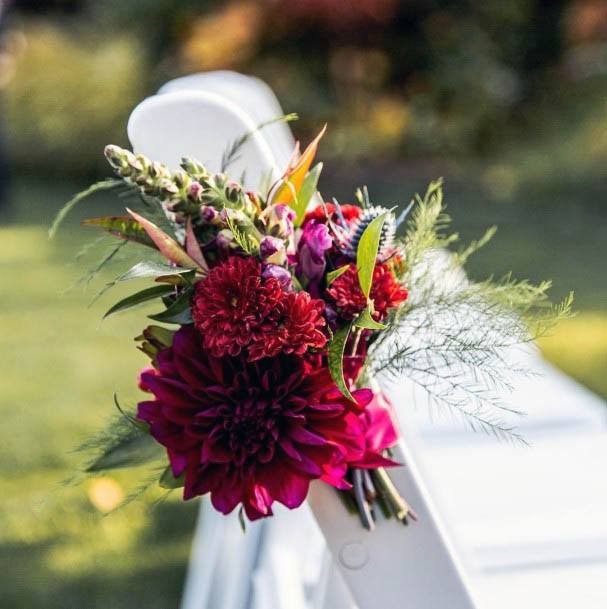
386	241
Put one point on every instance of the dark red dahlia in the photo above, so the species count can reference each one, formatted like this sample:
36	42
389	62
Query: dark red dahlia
294	326
237	309
252	432
349	299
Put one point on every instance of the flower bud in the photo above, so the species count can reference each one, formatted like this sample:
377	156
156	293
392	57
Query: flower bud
279	220
233	191
225	239
270	248
209	214
195	191
278	272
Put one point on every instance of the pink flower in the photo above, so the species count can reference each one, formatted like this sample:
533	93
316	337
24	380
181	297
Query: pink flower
380	433
254	433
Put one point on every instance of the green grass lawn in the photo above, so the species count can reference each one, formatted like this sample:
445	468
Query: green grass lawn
60	366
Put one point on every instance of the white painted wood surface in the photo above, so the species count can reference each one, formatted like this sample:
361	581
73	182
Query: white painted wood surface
526	522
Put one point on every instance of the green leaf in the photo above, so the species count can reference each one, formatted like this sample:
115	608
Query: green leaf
133	449
242	520
168	481
169	248
365	320
333	275
308	188
140	297
336	359
141	425
144	270
122	227
65	210
179	312
366	254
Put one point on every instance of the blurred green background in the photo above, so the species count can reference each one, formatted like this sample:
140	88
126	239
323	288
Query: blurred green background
505	98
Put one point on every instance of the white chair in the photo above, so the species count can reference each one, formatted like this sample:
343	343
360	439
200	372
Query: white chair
510	510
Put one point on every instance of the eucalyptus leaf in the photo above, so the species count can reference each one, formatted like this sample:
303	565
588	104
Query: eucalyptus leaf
140	297
179	312
308	188
333	275
365	320
366	254
336	359
168	481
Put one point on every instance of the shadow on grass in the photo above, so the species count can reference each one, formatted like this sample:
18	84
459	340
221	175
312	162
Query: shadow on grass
153	580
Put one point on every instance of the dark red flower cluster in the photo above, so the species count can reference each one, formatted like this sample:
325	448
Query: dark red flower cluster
254	432
386	292
319	213
235	309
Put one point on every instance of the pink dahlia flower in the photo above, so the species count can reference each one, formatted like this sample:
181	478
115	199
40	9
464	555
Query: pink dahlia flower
253	433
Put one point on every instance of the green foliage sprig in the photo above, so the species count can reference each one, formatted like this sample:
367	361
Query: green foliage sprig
454	337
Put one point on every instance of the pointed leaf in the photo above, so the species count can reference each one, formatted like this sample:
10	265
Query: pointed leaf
192	247
294	176
365	320
167	245
333	275
168	481
140	297
144	270
179	312
181	279
336	359
122	227
366	254
308	189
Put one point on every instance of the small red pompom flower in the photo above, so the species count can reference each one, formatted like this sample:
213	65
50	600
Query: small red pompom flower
349	299
319	213
235	309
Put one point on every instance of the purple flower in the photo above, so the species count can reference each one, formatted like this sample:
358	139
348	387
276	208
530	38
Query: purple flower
208	214
314	242
279	273
272	249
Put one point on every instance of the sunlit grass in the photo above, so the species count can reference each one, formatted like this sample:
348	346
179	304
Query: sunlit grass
579	347
59	546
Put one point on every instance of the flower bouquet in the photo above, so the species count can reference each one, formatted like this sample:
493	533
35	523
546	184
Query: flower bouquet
277	313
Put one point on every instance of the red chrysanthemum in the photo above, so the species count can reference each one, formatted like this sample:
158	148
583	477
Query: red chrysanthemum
349	212
253	433
349	299
293	326
236	309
